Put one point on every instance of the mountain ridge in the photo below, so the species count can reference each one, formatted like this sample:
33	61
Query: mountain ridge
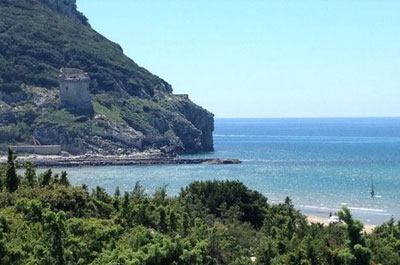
134	110
68	9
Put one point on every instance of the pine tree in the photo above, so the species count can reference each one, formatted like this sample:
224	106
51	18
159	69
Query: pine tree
138	192
117	192
173	222
64	179
30	173
45	177
162	222
12	180
3	239
56	179
185	224
125	205
2	172
54	227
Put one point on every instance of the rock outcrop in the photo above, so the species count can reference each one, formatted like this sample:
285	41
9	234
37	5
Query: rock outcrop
66	8
148	158
202	121
71	141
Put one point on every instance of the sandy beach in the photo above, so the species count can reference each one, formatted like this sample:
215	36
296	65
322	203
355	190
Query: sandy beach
325	221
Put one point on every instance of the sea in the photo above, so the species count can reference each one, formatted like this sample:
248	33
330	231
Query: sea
322	164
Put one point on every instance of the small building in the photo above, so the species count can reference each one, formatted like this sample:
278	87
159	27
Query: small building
74	90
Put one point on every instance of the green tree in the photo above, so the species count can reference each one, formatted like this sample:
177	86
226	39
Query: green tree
354	227
185	224
54	226
357	241
3	170
45	177
64	179
117	192
30	173
55	179
12	179
362	254
160	195
137	192
265	254
125	205
345	257
3	228
116	201
172	222
162	220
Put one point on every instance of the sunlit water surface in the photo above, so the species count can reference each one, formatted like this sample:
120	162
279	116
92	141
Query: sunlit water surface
321	164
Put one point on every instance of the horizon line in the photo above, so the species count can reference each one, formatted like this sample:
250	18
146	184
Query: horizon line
315	117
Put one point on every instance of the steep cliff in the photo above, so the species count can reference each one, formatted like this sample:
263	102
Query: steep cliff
134	110
66	8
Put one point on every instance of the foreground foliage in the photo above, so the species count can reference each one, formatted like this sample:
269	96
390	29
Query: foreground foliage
45	220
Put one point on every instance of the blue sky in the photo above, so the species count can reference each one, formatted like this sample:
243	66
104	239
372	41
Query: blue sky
254	58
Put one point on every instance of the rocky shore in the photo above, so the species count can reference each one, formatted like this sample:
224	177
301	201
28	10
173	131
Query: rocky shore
126	160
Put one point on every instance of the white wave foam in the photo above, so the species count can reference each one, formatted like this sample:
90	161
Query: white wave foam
357	209
315	207
361	209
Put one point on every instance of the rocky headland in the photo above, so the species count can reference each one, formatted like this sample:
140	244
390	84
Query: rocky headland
132	110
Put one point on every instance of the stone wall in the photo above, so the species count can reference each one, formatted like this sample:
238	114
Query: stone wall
38	149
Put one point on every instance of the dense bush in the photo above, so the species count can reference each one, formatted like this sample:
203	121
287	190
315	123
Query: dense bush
45	220
218	198
10	87
20	132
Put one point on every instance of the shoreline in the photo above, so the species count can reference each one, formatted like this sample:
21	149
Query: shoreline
313	219
141	159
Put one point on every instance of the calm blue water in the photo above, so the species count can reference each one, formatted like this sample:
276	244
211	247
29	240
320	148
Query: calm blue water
321	164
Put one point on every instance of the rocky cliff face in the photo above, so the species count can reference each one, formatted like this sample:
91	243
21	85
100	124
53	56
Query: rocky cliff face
201	125
66	8
182	127
133	110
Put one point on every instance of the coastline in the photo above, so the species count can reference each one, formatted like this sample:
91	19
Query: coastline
325	221
139	159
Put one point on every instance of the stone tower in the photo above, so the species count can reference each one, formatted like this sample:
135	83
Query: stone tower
74	90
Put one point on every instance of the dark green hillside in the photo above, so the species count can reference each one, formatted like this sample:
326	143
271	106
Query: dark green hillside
36	42
134	109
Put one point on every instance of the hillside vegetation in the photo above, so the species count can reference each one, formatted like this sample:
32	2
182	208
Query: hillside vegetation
134	109
45	220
